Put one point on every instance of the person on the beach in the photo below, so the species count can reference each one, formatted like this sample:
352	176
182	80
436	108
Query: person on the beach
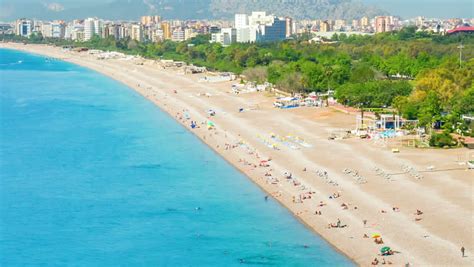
375	262
462	251
378	241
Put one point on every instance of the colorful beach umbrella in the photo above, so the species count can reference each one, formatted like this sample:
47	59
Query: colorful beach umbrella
385	249
375	236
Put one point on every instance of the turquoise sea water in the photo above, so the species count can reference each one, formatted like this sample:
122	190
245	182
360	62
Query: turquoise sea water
92	174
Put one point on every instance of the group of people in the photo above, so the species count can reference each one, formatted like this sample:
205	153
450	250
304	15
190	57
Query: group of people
338	224
376	262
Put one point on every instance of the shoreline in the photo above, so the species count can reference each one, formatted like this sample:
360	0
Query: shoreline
283	191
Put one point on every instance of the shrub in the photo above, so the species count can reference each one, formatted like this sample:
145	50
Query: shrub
442	140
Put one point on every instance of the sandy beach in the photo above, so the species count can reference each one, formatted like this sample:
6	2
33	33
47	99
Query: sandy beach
359	183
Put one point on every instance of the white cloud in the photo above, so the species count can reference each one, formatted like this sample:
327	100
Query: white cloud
56	7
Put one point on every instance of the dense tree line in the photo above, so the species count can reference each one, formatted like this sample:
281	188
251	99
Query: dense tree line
418	74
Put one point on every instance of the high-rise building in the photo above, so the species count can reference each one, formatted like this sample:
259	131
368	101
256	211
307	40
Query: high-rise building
364	22
382	24
98	27
78	34
226	37
178	35
243	35
255	27
166	27
324	26
355	24
214	29
189	33
339	24
136	32
289	27
158	36
419	21
47	30
241	21
58	29
150	20
24	27
89	28
274	32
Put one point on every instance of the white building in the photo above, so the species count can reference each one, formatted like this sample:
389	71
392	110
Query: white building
250	28
89	28
136	32
24	27
243	35
226	36
241	21
58	29
189	33
178	35
98	27
47	29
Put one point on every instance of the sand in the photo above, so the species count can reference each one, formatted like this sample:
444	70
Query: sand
444	194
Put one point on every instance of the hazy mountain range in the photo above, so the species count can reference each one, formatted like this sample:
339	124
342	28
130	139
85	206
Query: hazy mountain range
183	9
208	9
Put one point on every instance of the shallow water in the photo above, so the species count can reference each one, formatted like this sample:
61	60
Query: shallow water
92	174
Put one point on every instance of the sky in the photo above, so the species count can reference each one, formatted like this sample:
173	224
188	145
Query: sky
12	9
427	8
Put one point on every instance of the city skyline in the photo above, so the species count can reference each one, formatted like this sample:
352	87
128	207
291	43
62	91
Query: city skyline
68	9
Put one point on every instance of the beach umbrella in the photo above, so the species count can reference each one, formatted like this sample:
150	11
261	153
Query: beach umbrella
375	236
385	249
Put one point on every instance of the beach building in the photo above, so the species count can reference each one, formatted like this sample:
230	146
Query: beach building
24	27
46	30
98	27
89	28
58	29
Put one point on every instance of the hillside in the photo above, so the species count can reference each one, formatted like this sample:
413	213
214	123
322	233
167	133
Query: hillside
189	9
300	9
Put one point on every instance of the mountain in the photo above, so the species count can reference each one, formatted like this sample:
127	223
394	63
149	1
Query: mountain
299	9
185	9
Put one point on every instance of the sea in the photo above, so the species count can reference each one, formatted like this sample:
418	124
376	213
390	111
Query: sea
93	174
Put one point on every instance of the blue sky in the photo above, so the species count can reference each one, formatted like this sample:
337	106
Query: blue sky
427	8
